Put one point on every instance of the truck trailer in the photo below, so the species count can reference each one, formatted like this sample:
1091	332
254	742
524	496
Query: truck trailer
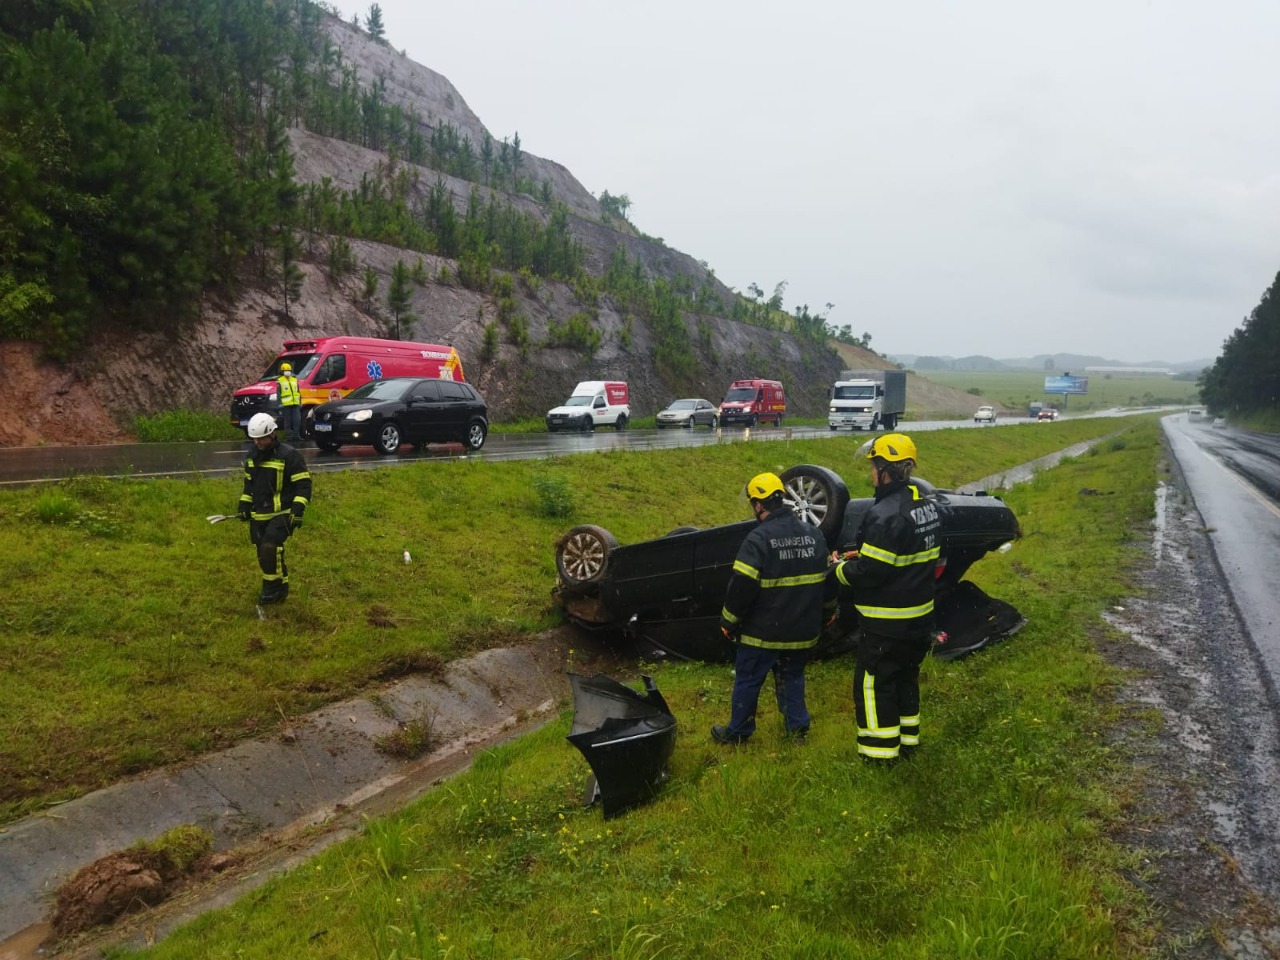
868	399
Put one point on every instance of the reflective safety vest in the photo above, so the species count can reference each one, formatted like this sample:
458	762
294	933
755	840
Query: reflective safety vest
290	395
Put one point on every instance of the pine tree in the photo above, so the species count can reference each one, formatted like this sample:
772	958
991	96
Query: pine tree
373	23
399	296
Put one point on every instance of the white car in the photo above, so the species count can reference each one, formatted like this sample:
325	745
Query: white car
985	415
1220	422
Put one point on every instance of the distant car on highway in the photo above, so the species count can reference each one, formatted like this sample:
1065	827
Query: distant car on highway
690	412
1219	422
1195	414
985	414
1047	413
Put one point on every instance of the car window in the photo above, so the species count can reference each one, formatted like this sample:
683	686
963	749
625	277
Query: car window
452	391
427	390
599	402
333	367
380	390
738	394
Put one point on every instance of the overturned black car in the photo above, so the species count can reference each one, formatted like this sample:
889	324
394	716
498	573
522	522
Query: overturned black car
668	592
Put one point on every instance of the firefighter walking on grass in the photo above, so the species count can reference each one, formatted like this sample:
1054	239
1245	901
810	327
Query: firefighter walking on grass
277	489
891	580
773	612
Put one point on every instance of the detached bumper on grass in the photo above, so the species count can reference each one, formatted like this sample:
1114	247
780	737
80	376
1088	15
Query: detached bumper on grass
627	737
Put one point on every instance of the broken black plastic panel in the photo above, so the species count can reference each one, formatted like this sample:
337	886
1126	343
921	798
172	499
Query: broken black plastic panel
626	736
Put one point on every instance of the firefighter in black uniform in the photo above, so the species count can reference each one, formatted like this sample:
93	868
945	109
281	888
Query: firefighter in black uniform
774	610
891	580
277	489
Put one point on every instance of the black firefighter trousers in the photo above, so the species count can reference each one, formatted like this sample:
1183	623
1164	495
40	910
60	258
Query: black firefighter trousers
269	537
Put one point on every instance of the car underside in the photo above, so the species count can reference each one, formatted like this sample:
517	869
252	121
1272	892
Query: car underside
668	591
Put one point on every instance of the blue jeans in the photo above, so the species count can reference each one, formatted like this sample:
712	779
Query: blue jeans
751	667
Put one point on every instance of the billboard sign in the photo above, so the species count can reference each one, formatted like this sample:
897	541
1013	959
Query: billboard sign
1066	385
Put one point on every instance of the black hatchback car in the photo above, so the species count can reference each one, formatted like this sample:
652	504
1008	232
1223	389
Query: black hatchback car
387	413
669	591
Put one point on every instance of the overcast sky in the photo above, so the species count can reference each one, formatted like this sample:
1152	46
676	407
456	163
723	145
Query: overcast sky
972	176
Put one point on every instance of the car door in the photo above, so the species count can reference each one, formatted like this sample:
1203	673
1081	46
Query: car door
456	404
423	408
704	413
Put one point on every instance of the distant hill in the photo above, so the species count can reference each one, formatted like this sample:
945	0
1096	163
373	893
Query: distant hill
1056	362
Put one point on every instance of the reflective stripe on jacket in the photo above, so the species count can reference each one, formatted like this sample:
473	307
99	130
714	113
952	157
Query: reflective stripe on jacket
779	587
276	482
892	578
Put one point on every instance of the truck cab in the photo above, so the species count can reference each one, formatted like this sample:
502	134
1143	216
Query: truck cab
867	400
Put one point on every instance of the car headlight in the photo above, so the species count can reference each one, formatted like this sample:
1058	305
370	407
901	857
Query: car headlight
271	396
833	408
360	415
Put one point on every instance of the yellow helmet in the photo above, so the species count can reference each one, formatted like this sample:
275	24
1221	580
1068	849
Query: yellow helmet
763	486
893	447
286	368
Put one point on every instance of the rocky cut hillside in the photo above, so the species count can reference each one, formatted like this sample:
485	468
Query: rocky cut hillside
505	329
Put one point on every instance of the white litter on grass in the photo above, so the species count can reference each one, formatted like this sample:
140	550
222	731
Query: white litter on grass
407	558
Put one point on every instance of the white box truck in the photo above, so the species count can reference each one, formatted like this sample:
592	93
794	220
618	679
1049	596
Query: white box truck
868	399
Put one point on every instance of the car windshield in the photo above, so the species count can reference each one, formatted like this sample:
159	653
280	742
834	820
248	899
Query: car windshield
867	392
301	363
683	405
381	390
583	401
739	394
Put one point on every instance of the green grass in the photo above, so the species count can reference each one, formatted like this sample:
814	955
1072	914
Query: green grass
991	843
120	597
1017	389
174	426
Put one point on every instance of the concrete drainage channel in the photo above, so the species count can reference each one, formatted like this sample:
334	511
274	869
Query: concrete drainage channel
280	799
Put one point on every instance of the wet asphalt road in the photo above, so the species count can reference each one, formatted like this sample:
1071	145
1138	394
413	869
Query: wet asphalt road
25	466
1234	478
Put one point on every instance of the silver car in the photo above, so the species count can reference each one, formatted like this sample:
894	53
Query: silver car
690	412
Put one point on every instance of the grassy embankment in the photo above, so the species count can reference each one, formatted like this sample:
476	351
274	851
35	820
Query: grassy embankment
993	842
1016	389
140	614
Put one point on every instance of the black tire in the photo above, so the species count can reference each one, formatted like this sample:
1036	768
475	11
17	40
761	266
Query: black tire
779	423
679	530
834	429
715	422
586	423
477	430
388	439
688	424
818	496
328	446
751	421
621	422
582	555
889	422
308	423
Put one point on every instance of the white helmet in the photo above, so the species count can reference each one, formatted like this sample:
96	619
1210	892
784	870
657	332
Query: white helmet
261	425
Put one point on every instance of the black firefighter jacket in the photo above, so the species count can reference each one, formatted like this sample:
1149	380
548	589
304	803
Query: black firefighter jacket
779	588
892	578
276	482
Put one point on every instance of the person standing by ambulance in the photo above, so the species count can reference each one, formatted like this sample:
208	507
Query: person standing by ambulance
290	402
277	490
774	611
891	580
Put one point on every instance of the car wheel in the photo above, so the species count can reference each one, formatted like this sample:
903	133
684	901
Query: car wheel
476	433
621	422
328	446
388	439
750	421
818	496
688	424
779	424
714	423
582	555
587	423
833	429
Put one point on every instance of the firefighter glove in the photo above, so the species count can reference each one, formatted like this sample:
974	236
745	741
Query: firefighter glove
295	521
243	513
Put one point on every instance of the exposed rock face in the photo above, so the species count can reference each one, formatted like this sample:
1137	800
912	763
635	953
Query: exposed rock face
127	372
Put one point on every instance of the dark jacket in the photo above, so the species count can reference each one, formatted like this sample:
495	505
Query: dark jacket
779	588
892	578
276	482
